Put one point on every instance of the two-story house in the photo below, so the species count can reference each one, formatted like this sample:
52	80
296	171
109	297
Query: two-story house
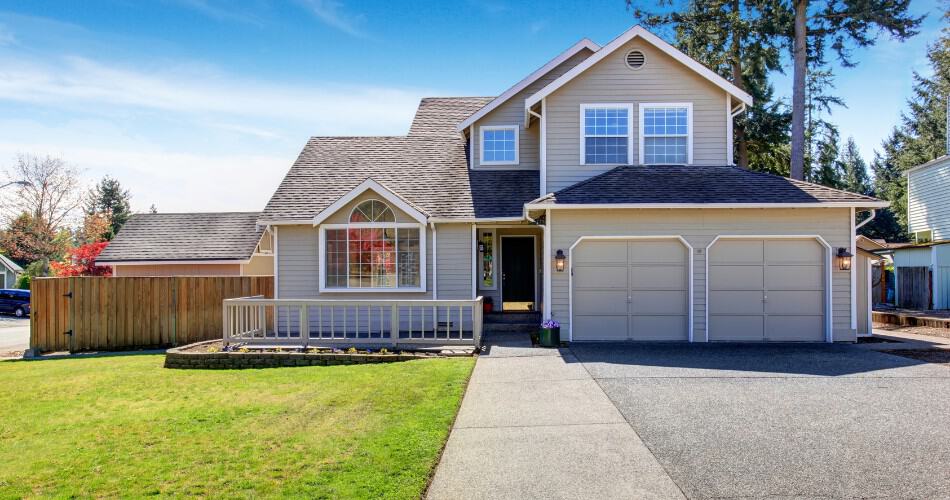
923	267
599	190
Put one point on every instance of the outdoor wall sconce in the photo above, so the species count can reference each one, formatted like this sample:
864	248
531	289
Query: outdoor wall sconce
844	259
559	261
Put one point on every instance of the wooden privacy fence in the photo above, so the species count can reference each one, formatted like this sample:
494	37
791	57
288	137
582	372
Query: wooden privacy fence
79	314
914	288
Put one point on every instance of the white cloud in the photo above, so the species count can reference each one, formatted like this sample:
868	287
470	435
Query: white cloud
82	84
333	13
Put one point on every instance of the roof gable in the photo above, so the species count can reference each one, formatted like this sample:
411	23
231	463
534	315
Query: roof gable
638	32
383	191
9	264
528	80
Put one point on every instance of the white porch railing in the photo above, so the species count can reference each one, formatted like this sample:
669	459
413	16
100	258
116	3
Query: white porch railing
317	322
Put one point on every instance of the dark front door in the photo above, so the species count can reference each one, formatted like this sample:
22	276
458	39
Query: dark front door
517	273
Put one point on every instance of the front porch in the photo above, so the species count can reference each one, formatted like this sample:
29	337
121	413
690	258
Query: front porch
508	268
316	323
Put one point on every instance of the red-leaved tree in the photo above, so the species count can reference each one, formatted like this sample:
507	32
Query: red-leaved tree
81	261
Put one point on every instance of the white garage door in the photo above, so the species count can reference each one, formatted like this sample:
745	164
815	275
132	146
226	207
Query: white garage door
630	290
767	290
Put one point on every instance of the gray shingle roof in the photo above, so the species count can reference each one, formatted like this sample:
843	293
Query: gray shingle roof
9	264
440	115
194	236
696	184
428	168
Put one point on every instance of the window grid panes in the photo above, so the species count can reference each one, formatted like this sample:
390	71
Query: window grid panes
666	135
498	145
606	134
373	257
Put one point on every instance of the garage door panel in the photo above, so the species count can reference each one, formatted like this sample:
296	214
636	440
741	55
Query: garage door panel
735	277
794	302
600	327
648	252
658	277
613	252
600	301
782	277
600	277
659	328
793	251
737	251
736	302
790	275
795	329
736	328
658	302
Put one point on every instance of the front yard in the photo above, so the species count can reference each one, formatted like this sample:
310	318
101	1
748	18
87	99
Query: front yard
125	426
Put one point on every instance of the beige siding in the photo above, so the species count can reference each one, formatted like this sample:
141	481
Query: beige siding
512	113
928	205
298	269
661	80
455	261
178	270
260	265
699	228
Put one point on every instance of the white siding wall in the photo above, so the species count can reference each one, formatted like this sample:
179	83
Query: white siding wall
928	200
512	113
912	257
699	228
661	80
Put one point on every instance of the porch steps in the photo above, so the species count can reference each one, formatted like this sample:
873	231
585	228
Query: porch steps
520	322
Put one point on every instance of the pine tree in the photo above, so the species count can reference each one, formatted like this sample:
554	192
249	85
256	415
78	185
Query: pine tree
825	169
854	170
109	198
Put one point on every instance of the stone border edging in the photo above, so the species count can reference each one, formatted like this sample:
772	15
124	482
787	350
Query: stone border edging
179	357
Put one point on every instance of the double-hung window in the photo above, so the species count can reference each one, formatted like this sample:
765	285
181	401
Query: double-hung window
666	134
373	251
605	134
499	145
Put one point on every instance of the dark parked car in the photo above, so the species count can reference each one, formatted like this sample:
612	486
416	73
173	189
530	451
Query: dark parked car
15	302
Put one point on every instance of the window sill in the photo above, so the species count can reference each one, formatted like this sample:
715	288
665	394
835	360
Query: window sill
499	163
373	290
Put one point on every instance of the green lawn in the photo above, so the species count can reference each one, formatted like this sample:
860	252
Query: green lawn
125	426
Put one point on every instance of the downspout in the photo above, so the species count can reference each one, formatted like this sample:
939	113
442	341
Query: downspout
865	221
435	262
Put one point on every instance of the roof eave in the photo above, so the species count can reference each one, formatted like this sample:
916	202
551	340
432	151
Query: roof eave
616	43
588	206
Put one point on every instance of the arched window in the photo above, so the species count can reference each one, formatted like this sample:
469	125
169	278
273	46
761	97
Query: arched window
372	211
373	252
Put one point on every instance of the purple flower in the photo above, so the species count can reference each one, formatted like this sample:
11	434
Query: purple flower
550	323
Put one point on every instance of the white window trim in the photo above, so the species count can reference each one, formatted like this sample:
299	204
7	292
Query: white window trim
689	128
386	225
626	105
481	144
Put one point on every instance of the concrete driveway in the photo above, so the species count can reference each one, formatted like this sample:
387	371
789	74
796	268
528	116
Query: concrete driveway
14	335
782	421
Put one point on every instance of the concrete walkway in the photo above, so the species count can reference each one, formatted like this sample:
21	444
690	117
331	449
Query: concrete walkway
534	424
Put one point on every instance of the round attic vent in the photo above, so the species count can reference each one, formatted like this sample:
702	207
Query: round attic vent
635	59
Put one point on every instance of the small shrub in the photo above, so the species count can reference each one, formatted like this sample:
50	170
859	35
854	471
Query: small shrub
384	351
351	350
214	348
244	349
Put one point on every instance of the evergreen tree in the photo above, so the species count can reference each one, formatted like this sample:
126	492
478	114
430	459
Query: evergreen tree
825	169
854	171
110	199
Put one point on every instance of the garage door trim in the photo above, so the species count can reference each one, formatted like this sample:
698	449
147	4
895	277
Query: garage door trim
689	279
829	316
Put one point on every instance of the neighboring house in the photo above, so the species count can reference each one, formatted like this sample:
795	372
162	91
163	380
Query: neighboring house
11	272
928	220
196	244
599	190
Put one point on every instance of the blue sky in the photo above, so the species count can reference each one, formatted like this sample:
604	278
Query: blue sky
204	104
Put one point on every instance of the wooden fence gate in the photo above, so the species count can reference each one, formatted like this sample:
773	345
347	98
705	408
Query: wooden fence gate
914	288
88	313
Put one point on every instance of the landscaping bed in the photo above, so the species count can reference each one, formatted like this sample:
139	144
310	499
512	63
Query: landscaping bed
214	354
936	356
123	426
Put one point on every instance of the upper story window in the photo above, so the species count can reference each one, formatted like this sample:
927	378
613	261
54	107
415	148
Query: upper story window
606	134
666	134
499	145
373	252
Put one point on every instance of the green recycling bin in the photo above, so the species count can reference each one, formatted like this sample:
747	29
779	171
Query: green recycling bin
550	334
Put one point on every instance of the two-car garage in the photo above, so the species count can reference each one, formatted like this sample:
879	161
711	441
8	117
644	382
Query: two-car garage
758	289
